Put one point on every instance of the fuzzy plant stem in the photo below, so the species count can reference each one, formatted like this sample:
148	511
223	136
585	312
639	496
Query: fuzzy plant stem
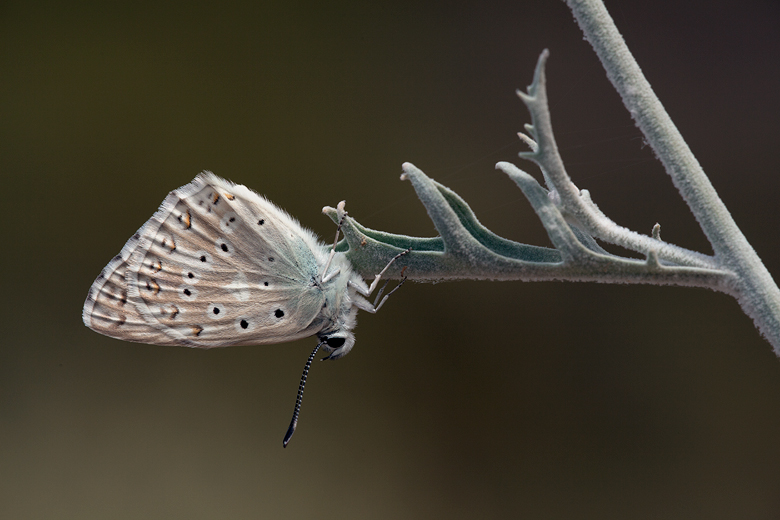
756	291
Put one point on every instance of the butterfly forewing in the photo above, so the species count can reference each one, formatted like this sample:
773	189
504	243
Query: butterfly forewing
217	265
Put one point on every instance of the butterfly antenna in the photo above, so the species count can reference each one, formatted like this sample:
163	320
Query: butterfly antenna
299	400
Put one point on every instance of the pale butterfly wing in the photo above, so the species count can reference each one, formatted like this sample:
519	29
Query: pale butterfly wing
107	309
216	265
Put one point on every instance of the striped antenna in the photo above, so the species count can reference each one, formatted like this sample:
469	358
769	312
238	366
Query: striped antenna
299	400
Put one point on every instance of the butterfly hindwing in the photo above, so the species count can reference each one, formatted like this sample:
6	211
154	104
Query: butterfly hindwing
216	265
108	309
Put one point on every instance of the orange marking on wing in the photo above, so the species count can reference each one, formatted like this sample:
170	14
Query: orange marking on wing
172	246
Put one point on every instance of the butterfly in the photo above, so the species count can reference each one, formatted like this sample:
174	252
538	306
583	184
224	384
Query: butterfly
219	265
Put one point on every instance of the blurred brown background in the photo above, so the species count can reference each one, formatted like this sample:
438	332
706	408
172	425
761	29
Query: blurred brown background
460	400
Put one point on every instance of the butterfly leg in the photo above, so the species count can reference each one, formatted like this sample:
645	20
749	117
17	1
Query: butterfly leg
365	305
377	307
343	213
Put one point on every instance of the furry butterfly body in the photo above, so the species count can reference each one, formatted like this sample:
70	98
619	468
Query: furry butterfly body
219	265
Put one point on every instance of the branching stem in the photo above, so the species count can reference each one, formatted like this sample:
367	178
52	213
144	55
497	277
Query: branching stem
465	249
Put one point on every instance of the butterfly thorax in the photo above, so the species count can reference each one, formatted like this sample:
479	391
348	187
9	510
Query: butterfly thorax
339	314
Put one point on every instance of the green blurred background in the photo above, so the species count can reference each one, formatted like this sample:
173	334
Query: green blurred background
460	400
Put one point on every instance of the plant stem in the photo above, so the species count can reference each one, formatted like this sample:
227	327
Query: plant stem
759	296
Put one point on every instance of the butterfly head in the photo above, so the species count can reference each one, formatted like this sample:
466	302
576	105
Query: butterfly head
337	343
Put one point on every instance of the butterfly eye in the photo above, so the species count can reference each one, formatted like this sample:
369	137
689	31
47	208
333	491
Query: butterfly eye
335	342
